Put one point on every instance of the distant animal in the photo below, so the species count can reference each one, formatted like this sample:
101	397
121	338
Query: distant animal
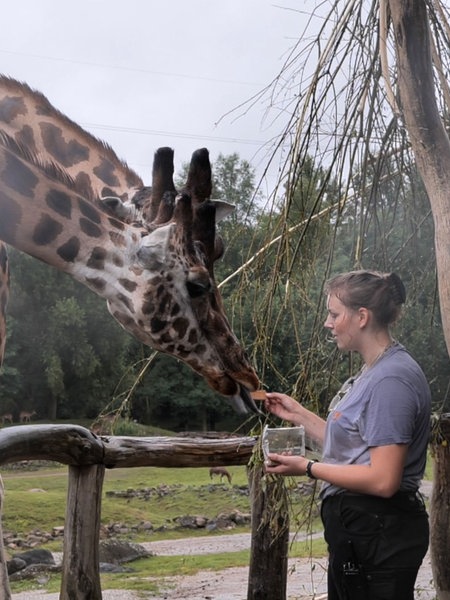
25	416
221	472
7	417
104	424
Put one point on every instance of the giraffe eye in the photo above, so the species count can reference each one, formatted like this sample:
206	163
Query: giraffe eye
198	283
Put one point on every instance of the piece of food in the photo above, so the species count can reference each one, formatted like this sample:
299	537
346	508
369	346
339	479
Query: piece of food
258	395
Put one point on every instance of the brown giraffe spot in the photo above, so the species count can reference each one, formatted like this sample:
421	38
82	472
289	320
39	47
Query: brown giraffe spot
164	304
10	107
60	202
181	326
11	217
65	153
105	172
126	302
97	259
97	283
193	337
25	137
117	224
84	185
90	228
130	286
148	306
175	310
18	176
117	260
89	211
157	325
46	231
3	301
3	259
69	251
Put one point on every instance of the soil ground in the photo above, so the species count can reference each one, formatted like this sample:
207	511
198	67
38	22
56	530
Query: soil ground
306	577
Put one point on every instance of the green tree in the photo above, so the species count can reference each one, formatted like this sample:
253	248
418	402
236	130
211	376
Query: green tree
64	354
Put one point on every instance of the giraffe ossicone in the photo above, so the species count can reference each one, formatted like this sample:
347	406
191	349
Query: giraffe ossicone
66	199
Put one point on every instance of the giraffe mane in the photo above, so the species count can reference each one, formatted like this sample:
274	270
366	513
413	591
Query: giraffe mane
48	168
20	87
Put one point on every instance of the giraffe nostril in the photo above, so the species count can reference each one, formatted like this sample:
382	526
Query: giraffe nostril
198	283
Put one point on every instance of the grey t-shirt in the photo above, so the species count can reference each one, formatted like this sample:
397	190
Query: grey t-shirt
389	403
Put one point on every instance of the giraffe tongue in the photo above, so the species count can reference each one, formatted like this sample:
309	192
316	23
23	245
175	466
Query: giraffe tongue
243	403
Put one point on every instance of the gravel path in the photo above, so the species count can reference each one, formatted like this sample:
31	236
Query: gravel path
306	576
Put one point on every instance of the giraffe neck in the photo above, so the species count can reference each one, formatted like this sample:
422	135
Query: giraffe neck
63	229
4	293
28	117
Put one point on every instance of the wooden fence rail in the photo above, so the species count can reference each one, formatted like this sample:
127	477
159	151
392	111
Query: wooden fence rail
87	456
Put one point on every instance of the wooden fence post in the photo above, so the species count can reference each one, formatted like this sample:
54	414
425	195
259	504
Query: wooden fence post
267	578
80	570
5	592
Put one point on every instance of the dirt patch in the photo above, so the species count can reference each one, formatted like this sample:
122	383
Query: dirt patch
306	576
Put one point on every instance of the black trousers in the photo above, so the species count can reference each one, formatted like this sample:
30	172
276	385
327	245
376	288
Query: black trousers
376	545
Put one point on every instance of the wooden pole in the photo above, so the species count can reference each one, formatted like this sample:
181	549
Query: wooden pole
267	578
80	569
5	592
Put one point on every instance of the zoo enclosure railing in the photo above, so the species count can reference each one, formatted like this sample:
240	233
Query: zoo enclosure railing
87	457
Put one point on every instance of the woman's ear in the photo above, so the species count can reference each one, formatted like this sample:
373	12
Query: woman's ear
364	317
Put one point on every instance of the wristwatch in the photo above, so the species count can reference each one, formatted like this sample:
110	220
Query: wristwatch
308	469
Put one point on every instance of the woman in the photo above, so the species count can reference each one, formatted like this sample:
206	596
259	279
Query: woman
374	447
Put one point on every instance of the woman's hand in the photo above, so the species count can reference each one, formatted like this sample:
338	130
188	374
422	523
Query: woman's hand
285	464
284	407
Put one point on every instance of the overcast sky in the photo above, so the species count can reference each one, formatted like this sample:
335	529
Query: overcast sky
144	73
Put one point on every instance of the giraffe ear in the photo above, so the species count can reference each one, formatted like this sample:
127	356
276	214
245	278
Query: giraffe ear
124	212
153	251
223	209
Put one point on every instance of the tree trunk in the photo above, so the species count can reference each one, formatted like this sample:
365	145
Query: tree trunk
431	147
440	508
270	540
429	139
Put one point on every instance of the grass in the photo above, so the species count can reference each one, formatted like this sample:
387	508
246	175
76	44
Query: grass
37	500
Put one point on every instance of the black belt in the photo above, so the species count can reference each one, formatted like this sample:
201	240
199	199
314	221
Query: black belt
402	500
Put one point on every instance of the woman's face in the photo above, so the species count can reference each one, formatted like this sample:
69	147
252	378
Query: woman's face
343	324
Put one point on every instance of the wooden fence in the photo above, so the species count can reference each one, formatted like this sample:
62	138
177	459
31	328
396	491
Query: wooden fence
87	457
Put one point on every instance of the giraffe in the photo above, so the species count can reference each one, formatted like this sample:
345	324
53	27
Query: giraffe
66	199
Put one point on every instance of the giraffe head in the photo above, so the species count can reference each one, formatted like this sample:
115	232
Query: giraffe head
157	276
152	258
178	310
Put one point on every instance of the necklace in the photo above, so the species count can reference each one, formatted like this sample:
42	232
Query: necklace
378	357
339	398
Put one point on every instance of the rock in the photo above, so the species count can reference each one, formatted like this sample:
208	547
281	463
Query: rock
31	557
118	551
15	564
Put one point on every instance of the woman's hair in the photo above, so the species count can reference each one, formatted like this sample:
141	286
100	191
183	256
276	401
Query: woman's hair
382	293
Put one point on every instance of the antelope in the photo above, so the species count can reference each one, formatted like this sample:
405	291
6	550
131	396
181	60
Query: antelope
7	417
25	416
221	472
